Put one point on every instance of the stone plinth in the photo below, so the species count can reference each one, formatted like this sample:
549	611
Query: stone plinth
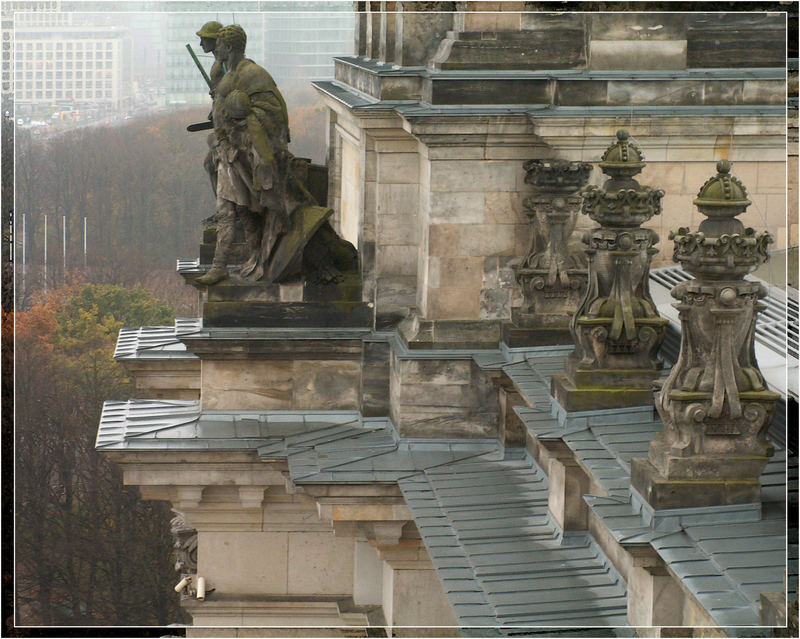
442	397
553	272
240	302
617	330
715	405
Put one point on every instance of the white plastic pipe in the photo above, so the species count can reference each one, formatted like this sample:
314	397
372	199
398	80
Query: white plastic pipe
182	584
201	588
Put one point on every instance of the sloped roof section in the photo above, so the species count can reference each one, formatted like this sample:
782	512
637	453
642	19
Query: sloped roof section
160	342
481	511
699	547
502	561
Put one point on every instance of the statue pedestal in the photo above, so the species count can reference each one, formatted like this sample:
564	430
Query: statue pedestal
599	389
238	302
662	493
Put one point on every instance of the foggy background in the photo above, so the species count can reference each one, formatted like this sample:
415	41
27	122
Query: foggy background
99	94
103	189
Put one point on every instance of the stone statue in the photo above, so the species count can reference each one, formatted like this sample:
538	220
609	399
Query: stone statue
254	176
617	330
261	189
553	272
208	43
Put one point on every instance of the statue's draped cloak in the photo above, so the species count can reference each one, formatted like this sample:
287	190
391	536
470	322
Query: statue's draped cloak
253	156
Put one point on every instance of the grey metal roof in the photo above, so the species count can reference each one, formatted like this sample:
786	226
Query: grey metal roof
695	547
482	512
157	342
501	559
183	425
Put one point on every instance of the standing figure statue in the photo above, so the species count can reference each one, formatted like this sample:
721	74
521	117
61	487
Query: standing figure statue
208	43
254	180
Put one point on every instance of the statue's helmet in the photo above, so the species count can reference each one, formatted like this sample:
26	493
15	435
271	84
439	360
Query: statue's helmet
210	30
237	105
234	36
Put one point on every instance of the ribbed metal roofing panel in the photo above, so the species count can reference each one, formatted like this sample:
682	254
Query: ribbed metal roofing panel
723	577
525	573
157	341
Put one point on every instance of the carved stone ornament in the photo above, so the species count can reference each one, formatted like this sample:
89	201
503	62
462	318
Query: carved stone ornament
553	272
714	405
185	544
617	330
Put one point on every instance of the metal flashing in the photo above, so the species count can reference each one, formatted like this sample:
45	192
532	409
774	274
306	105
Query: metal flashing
156	342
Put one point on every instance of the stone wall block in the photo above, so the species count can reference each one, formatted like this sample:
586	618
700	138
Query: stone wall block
397	168
504	207
326	385
457	272
244	562
638	26
375	379
445	239
457	207
319	564
247	384
397	260
480	175
453	304
487	239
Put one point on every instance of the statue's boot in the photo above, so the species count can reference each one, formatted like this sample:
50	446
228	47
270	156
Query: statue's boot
225	230
215	275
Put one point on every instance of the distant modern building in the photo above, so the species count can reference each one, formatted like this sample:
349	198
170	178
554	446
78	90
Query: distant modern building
292	41
31	12
301	44
58	60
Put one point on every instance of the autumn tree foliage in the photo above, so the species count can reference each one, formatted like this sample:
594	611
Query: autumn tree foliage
88	550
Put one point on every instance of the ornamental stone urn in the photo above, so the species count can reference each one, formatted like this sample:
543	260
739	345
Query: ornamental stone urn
616	330
553	272
714	405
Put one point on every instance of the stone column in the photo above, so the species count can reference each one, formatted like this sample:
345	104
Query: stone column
553	273
617	330
715	405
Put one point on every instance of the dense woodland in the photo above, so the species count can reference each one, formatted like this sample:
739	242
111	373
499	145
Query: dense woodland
87	550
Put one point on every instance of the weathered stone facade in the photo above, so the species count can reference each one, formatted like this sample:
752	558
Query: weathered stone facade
459	187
